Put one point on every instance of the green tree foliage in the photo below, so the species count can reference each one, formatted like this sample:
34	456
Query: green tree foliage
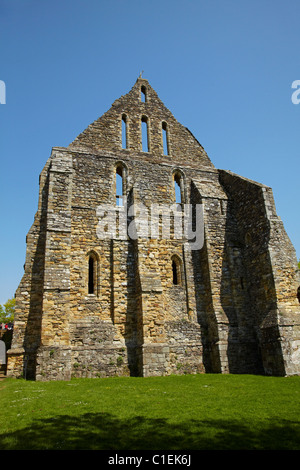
7	311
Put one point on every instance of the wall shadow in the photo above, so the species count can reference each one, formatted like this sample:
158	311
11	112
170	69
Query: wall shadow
203	296
247	287
243	351
248	293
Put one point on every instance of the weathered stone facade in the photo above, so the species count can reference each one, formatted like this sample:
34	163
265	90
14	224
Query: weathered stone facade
92	307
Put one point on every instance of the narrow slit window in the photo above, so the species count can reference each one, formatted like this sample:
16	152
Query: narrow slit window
177	188
143	94
91	286
145	140
165	138
124	131
221	207
176	271
119	186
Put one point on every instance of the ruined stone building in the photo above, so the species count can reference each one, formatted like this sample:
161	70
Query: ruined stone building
94	304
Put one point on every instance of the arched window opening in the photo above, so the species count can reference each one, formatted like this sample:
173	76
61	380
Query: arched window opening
177	188
124	131
145	137
143	94
176	271
92	276
165	138
119	186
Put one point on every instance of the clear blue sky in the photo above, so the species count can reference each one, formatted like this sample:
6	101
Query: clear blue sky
223	67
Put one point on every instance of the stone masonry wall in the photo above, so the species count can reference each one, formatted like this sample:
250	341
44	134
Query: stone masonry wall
233	308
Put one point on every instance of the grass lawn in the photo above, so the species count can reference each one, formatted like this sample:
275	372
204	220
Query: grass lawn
190	412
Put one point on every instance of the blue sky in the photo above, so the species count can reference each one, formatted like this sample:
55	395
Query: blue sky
224	68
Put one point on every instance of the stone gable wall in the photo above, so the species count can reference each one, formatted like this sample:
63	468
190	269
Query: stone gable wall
234	309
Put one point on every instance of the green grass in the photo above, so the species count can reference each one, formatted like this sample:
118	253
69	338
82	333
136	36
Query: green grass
191	412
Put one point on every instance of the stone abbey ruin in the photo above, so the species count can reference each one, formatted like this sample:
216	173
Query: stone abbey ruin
93	303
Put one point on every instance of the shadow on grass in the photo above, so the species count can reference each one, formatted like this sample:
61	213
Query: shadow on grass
104	431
